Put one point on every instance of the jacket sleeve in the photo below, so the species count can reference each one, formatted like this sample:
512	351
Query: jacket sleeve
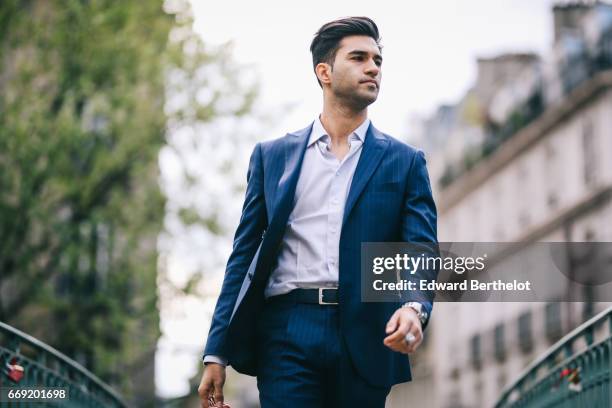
419	225
253	222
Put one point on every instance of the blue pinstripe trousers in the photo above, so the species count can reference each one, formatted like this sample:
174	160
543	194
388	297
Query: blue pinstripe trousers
303	362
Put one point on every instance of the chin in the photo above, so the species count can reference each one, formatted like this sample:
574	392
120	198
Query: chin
360	100
368	99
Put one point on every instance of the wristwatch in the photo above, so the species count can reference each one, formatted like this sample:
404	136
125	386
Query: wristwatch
418	308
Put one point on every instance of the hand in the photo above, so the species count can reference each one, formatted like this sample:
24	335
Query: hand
403	321
211	386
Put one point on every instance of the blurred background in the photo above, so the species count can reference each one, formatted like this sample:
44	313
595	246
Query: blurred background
125	133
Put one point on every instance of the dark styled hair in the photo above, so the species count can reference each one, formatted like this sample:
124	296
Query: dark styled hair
326	42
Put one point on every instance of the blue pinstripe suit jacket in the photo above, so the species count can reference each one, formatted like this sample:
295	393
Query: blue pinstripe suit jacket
389	200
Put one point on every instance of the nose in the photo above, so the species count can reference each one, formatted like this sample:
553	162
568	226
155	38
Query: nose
371	68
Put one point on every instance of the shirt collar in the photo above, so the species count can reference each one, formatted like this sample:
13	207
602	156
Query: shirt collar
318	131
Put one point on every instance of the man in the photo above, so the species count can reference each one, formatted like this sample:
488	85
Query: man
290	309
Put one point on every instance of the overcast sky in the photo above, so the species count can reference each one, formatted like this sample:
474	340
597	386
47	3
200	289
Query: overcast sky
429	53
430	47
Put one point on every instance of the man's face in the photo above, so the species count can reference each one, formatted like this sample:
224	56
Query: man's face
356	74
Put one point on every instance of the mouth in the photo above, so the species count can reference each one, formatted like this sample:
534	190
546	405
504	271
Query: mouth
370	81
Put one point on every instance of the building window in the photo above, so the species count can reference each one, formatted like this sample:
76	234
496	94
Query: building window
525	334
552	200
478	389
455	373
553	321
589	153
552	197
524	218
500	345
476	351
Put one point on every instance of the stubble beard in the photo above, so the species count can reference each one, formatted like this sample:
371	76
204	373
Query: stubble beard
350	97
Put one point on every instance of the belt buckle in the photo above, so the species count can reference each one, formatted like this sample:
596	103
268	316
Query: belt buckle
321	302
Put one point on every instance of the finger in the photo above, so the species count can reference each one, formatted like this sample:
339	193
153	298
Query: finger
415	334
204	393
399	347
399	334
392	324
406	347
403	346
219	395
396	336
395	325
411	347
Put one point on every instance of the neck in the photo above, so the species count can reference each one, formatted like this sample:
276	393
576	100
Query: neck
340	121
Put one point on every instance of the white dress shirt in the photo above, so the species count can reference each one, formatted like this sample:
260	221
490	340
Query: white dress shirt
308	256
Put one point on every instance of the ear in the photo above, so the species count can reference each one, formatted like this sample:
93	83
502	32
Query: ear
323	71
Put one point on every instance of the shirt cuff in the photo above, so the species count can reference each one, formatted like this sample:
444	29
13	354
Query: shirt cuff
215	359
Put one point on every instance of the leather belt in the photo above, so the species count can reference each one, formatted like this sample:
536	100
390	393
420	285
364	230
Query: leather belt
321	296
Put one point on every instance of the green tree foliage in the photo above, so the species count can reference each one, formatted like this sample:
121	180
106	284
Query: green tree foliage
212	127
82	93
90	91
213	124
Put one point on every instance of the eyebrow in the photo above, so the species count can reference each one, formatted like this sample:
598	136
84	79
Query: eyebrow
364	53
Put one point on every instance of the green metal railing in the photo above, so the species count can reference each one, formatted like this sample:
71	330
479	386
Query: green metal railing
575	372
46	367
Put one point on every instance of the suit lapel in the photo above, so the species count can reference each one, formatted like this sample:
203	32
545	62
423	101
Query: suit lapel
283	200
374	147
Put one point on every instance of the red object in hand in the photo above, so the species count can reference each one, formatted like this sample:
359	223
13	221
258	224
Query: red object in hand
15	371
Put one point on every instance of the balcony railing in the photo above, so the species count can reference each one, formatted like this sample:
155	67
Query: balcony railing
575	372
522	116
43	366
573	73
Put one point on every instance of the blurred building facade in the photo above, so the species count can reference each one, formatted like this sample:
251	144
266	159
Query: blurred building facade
524	156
